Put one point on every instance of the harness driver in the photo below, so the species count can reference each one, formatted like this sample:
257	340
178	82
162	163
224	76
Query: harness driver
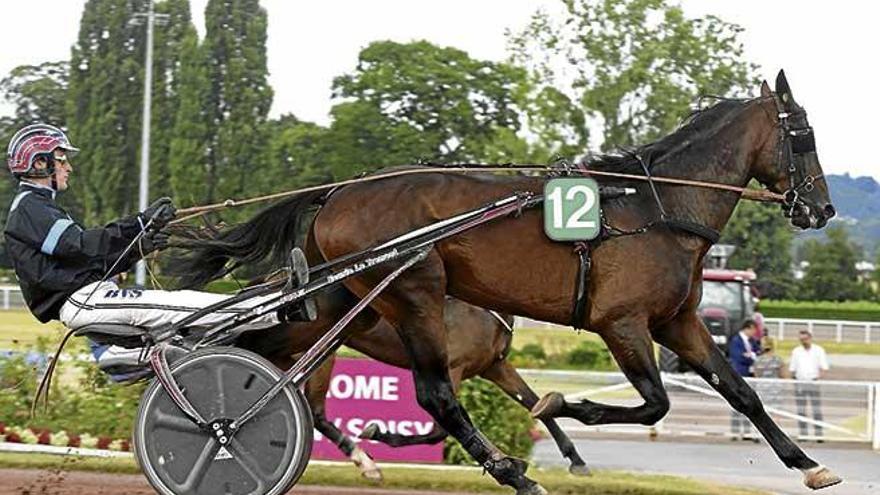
63	268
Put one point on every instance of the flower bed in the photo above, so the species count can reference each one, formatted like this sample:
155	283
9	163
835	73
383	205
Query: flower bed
43	436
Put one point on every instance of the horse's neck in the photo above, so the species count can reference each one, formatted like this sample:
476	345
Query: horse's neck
729	163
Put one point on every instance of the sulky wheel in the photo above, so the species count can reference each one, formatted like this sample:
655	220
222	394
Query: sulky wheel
266	456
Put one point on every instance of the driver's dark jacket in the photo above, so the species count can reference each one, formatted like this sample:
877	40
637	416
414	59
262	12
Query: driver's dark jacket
54	256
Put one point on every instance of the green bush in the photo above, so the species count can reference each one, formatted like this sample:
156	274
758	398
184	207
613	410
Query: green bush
530	356
590	355
507	424
821	310
91	404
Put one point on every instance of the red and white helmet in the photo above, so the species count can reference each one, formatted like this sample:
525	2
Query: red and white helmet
31	142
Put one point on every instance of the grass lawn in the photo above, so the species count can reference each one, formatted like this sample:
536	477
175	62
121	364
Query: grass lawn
20	328
466	480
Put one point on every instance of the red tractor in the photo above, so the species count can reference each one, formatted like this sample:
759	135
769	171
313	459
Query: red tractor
728	299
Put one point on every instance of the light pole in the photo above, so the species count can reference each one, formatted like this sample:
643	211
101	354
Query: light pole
140	277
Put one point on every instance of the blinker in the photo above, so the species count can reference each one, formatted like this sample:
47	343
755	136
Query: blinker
802	141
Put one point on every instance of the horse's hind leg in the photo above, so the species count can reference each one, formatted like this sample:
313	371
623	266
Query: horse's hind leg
414	304
688	337
630	343
316	393
372	432
506	377
436	435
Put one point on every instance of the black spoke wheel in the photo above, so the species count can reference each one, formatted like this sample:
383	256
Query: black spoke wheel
266	456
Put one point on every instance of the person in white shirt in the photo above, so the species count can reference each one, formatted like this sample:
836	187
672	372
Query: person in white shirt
808	364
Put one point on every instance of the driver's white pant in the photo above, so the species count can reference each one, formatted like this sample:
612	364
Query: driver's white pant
151	308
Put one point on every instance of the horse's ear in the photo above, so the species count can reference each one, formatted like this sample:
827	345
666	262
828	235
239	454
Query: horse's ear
765	89
783	90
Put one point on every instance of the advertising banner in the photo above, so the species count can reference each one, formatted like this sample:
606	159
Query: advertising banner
363	391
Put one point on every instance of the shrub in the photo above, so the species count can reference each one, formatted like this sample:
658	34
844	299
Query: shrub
590	355
507	424
530	356
93	405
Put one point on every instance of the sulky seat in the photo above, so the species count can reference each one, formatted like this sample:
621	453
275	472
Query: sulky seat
114	334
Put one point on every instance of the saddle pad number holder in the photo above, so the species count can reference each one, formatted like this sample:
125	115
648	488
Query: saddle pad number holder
571	209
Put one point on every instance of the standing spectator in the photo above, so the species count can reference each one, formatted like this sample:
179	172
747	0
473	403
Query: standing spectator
741	351
769	365
808	364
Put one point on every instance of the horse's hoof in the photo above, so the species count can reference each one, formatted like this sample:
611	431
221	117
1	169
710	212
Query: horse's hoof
580	470
549	406
366	464
820	477
532	489
370	432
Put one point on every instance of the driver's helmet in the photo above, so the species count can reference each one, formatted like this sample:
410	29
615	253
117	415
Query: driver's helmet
31	142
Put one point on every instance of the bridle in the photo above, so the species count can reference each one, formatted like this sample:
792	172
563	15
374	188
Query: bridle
793	143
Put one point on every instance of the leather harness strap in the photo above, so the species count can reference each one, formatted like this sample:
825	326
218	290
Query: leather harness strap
580	315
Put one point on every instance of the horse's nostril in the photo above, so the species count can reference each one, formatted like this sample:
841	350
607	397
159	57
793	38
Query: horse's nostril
830	211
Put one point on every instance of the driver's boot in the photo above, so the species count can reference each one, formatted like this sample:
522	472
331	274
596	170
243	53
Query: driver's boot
305	309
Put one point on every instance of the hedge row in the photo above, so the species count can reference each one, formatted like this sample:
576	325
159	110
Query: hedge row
822	310
587	355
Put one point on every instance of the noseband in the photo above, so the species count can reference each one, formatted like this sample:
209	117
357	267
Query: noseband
794	142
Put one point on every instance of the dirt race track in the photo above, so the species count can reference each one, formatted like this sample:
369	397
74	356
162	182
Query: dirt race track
56	482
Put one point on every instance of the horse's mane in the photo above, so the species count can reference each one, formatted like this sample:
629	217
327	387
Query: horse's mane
699	124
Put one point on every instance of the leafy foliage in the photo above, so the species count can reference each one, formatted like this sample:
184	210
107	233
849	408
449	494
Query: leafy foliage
239	97
762	234
104	103
831	274
92	406
504	422
635	65
407	102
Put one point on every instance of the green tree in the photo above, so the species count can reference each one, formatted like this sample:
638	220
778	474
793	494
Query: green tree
105	102
407	102
171	39
37	93
188	166
297	153
635	66
103	108
831	274
762	237
239	98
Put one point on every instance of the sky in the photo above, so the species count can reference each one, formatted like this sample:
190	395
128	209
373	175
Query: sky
828	50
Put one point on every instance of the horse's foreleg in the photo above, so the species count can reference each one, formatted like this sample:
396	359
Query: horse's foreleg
688	337
415	305
630	343
507	379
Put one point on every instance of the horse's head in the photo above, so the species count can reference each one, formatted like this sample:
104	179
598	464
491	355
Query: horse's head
790	165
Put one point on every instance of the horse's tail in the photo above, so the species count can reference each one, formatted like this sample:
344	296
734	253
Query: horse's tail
268	236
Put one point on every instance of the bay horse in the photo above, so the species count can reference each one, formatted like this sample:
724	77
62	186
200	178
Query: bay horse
478	345
644	287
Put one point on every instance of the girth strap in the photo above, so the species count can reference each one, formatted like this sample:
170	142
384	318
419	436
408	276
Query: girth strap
696	229
581	311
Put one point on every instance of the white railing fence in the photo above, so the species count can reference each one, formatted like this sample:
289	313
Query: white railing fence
827	330
11	298
844	411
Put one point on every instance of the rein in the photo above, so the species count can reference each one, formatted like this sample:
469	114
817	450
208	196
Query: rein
761	195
